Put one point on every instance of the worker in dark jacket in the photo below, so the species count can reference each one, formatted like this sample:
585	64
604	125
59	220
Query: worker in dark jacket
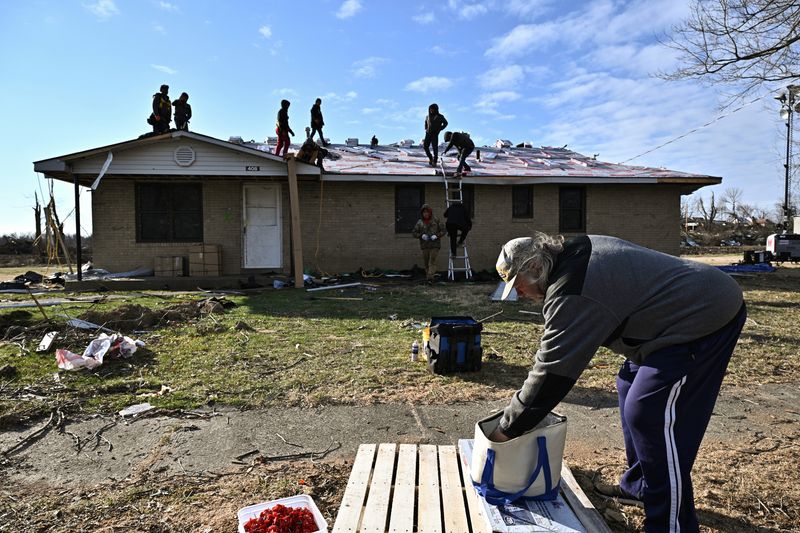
282	128
183	112
434	124
429	231
162	111
317	121
675	321
457	219
465	147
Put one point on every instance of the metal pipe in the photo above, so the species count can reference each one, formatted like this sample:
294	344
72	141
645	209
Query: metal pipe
78	256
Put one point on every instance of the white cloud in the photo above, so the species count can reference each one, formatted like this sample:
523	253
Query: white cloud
102	9
470	9
348	9
166	6
367	68
424	18
489	103
265	31
335	97
284	92
370	110
430	83
158	28
508	77
529	9
444	52
164	69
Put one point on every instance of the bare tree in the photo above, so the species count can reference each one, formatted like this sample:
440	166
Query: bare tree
731	201
741	42
710	213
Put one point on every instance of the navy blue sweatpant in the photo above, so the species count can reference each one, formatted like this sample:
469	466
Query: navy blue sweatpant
665	405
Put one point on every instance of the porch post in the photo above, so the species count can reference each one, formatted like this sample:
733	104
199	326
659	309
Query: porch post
297	241
78	257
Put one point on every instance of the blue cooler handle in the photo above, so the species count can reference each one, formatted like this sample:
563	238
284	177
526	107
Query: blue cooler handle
494	496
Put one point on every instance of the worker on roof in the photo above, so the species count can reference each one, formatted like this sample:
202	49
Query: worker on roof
457	220
434	124
429	231
282	128
465	147
162	111
675	321
317	121
183	112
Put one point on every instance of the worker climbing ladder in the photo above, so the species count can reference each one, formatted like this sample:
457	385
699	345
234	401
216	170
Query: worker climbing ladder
454	194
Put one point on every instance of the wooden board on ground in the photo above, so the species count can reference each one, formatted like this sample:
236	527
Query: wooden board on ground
407	488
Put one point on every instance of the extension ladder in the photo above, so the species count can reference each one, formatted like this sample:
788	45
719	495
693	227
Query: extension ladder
453	194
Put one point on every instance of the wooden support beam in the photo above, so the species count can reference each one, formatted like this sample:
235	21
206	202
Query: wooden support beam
78	257
294	206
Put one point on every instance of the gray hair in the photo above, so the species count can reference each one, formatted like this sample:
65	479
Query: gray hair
543	254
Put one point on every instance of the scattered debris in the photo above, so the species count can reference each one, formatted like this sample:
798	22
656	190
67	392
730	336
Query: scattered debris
56	420
393	316
115	345
47	341
529	312
500	312
137	409
83	324
329	287
243	326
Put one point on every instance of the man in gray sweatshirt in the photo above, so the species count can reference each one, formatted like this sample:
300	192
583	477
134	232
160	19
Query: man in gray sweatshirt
676	322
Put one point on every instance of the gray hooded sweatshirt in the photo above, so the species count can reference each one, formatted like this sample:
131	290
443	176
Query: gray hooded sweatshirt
604	291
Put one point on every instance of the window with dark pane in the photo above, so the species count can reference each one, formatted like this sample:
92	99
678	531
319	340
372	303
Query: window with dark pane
169	212
522	201
571	209
468	198
408	198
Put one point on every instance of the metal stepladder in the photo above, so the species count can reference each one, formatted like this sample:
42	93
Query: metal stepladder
453	194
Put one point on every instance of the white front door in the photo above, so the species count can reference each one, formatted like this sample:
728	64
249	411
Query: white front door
262	226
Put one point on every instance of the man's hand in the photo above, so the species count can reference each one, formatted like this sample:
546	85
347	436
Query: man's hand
425	237
434	237
498	435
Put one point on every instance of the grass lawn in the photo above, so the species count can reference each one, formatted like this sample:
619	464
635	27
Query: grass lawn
347	346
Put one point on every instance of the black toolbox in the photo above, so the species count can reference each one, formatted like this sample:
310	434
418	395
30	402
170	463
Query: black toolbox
454	344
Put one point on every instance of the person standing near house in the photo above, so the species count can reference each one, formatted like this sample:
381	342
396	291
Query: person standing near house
162	111
675	321
317	121
183	112
465	147
434	124
429	231
457	219
282	128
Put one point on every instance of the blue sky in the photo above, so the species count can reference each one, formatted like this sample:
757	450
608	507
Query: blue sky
81	74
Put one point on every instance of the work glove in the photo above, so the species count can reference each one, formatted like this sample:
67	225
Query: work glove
425	237
434	237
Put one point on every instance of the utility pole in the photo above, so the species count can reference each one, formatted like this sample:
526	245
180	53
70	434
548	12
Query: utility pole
789	105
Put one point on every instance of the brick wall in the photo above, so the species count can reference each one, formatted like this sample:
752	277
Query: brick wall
351	225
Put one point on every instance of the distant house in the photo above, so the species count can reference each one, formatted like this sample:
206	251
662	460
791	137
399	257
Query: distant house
163	195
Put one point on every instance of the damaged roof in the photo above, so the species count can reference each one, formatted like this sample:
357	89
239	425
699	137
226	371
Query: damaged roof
490	165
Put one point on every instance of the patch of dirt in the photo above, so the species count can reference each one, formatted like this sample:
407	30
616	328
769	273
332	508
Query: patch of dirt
131	317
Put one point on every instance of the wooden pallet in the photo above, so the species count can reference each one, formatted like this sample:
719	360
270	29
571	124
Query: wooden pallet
407	488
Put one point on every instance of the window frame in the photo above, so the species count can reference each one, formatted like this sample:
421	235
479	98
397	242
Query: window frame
528	188
420	187
581	210
171	212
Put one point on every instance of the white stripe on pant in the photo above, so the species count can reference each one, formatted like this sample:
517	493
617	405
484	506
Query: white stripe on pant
673	464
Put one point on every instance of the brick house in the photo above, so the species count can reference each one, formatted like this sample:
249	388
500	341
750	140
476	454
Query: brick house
162	195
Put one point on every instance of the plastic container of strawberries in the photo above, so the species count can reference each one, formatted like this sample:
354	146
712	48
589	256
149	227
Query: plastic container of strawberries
299	501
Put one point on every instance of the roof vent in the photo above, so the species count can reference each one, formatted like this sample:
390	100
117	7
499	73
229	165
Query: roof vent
184	156
405	143
524	145
351	141
272	140
502	143
236	140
